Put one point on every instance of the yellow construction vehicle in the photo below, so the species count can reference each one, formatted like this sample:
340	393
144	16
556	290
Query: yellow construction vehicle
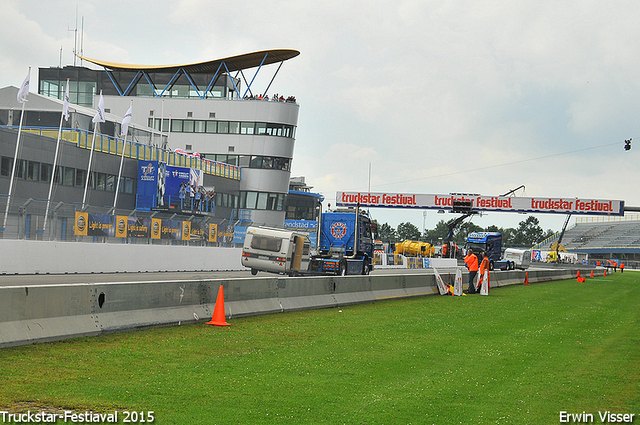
414	249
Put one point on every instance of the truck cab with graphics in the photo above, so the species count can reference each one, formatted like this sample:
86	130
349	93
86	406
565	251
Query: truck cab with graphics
345	243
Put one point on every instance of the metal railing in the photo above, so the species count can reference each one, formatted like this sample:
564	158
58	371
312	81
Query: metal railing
134	150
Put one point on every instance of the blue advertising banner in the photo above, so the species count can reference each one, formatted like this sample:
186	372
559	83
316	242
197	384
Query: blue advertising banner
159	184
147	190
171	229
89	224
139	227
309	227
239	233
175	177
300	224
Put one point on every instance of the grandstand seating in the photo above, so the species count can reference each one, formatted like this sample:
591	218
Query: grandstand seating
603	235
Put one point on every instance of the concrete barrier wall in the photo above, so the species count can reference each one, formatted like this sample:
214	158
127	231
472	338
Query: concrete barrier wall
40	313
32	257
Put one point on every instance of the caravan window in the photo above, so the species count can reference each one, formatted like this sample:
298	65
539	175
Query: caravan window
266	243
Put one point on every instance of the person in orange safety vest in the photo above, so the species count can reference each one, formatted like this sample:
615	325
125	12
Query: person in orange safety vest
484	266
471	261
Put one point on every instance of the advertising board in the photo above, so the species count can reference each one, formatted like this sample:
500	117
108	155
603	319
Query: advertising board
483	203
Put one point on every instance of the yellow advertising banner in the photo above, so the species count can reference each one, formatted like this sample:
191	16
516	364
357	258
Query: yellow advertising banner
156	228
213	232
121	226
82	224
186	230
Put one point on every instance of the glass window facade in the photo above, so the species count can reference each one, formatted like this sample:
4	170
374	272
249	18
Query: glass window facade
262	201
222	127
84	83
67	176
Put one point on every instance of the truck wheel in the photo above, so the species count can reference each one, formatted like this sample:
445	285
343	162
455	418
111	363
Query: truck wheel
366	267
342	268
254	272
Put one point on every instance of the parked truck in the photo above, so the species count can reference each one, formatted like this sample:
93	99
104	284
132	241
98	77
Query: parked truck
345	247
491	243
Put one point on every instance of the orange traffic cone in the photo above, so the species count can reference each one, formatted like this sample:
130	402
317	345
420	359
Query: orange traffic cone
218	311
578	273
605	272
526	279
591	273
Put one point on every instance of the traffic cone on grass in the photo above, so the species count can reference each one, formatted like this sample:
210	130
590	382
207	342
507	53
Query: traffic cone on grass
578	273
526	279
591	273
218	311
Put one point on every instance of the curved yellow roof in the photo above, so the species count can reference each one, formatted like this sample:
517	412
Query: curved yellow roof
234	63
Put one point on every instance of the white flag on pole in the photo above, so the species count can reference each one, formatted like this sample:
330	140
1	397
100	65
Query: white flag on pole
125	122
24	88
65	105
99	117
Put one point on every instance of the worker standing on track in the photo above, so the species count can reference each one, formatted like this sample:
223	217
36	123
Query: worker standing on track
471	261
484	266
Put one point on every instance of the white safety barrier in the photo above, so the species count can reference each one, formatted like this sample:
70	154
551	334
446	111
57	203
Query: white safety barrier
33	257
39	313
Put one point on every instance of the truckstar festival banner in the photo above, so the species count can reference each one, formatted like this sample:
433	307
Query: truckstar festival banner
482	203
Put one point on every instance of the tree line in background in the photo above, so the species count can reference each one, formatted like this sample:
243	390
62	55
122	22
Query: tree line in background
526	235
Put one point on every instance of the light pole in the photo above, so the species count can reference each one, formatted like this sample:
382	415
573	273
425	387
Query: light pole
424	228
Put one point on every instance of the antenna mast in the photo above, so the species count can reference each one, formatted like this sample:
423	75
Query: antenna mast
82	40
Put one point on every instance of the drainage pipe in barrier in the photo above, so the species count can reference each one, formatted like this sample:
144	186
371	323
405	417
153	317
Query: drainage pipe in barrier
41	313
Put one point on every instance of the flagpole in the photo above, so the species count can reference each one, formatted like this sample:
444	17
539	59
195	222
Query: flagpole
98	118
86	185
125	122
124	146
13	170
55	161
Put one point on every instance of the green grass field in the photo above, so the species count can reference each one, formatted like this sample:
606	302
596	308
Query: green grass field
519	356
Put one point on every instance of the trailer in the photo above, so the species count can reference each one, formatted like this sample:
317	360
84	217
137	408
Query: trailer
275	250
521	258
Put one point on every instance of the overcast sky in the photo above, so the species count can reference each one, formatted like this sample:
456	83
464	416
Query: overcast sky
434	96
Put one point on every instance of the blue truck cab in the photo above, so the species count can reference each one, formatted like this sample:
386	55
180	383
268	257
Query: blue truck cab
345	243
491	243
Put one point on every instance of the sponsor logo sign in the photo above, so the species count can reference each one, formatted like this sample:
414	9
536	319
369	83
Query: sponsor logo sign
483	203
81	223
186	230
338	230
156	228
121	226
147	171
213	232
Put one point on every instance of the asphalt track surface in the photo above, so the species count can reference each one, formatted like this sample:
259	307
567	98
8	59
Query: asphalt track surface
64	279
